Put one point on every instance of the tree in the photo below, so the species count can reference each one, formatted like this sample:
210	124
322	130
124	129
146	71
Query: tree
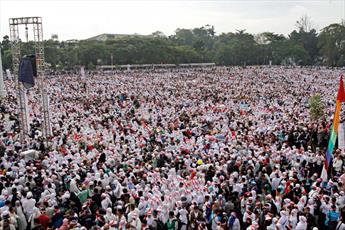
158	34
210	30
201	39
52	52
316	107
6	44
184	37
304	24
303	46
332	44
91	66
309	42
268	37
68	55
236	49
91	52
268	43
55	37
6	59
6	53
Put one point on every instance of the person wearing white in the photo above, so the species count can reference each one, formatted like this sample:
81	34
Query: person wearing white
73	186
19	210
135	223
234	222
340	226
106	202
183	218
338	164
293	218
302	224
35	214
283	220
28	204
109	216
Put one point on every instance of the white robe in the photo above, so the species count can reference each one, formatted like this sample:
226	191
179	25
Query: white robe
301	226
22	224
28	206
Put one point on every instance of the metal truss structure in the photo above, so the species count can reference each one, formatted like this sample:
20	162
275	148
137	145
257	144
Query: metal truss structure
36	22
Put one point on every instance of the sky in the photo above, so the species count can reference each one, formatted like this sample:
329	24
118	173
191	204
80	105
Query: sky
77	19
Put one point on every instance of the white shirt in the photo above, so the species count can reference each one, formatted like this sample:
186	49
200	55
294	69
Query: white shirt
28	206
340	226
183	216
337	164
106	203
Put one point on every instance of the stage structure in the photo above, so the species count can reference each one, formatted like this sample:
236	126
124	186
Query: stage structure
36	23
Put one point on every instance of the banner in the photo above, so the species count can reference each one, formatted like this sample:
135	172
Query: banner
27	72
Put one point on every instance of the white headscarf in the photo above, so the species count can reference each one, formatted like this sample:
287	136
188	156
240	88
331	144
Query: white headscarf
293	218
109	216
283	220
302	224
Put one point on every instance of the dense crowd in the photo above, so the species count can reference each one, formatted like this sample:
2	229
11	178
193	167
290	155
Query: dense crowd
222	148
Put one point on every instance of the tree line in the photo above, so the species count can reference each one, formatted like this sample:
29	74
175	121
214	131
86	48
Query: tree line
303	46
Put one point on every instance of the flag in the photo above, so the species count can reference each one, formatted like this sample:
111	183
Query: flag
334	129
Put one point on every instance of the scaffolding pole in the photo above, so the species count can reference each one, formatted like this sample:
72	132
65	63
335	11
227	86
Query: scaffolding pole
21	92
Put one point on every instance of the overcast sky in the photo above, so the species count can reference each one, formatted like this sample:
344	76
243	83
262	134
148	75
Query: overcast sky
83	19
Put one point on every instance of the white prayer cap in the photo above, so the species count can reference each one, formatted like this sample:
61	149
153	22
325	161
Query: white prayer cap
29	195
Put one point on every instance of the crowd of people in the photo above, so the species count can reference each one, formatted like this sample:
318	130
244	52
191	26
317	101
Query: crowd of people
190	149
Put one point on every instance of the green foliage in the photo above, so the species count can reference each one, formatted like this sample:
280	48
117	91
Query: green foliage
6	59
302	47
91	66
6	43
332	44
237	49
308	40
289	52
316	107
